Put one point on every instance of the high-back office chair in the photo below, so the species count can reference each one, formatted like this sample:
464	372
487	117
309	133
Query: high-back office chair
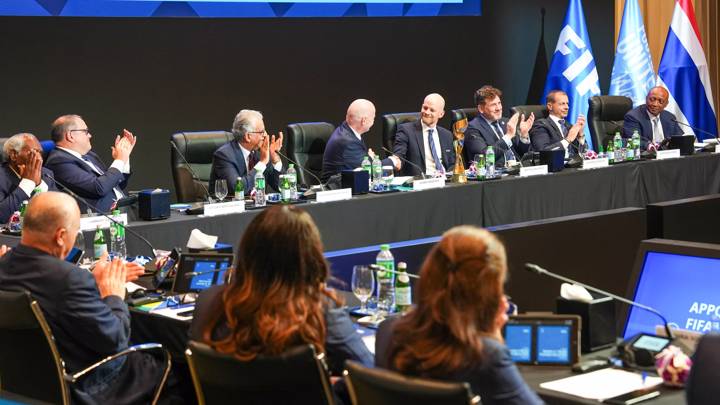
460	113
605	116
306	145
390	124
297	376
539	110
30	364
374	386
191	171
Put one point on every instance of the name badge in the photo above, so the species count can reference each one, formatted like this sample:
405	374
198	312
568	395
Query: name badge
230	207
91	223
668	154
334	195
427	184
717	148
533	170
595	163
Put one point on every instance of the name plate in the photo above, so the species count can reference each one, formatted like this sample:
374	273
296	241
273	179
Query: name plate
533	170
427	184
91	223
717	148
595	163
230	207
334	195
668	154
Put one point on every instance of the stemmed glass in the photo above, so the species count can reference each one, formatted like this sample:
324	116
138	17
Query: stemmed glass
363	284
221	190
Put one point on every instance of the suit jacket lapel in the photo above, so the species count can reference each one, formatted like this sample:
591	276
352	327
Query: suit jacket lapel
420	141
240	164
557	135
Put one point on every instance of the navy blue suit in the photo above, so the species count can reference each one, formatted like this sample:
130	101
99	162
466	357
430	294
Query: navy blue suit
229	164
11	196
479	135
81	179
344	151
545	135
638	119
409	145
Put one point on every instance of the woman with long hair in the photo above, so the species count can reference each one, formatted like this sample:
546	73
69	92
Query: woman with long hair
455	331
277	296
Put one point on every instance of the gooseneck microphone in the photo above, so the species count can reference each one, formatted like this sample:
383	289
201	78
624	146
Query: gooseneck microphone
84	201
192	172
422	172
320	183
702	131
376	268
539	270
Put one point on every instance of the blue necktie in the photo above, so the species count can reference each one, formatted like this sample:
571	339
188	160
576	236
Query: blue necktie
498	130
433	151
563	128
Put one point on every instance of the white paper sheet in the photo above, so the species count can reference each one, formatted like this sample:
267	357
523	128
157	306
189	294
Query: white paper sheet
602	384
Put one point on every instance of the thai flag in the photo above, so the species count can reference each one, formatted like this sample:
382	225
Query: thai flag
684	72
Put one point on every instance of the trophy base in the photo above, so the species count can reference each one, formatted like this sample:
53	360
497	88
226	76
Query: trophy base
459	178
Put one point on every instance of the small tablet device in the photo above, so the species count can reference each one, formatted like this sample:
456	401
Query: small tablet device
163	272
543	339
198	271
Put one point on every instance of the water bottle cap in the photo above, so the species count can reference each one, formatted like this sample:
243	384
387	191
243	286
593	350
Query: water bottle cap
385	247
290	166
116	212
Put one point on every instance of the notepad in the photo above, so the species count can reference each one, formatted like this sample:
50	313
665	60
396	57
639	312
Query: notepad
602	384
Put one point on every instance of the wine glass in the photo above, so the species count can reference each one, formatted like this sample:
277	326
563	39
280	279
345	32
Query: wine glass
363	284
221	190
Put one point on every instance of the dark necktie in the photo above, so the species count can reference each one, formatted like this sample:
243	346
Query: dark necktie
563	128
252	160
498	129
433	151
93	165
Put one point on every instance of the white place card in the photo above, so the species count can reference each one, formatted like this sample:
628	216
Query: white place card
91	223
533	170
717	148
595	163
668	154
427	184
334	195
230	207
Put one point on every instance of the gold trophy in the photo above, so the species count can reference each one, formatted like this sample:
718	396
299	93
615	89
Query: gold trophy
459	132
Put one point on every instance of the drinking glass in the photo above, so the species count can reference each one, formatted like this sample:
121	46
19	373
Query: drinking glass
80	244
388	176
221	190
510	160
363	284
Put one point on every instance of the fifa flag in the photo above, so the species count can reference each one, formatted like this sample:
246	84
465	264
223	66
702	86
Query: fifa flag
573	66
684	72
633	74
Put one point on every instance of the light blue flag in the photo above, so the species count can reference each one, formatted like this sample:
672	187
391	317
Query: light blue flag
573	66
632	75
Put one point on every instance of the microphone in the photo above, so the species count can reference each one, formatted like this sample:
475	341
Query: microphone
320	183
702	131
192	172
192	274
539	270
376	268
127	228
422	172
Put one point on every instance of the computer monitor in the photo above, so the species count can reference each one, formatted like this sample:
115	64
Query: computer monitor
199	271
680	279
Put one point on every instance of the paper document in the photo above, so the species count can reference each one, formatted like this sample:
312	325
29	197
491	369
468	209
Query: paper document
400	180
183	312
602	384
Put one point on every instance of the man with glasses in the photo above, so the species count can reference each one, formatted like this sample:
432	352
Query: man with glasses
252	151
82	171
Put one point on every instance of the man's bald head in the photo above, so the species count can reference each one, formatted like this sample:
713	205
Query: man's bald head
433	108
51	222
657	99
361	115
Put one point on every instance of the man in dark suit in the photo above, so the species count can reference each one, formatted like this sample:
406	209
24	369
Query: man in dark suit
85	311
22	175
702	387
250	152
489	128
345	149
80	169
652	122
424	143
555	132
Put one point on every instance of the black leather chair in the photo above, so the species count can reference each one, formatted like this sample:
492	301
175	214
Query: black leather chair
460	113
539	110
390	124
374	386
30	364
191	171
605	116
298	376
306	145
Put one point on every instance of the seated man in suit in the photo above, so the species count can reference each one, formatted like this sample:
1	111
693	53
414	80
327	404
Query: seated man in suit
428	146
345	149
651	120
85	310
554	131
489	128
22	175
78	168
250	152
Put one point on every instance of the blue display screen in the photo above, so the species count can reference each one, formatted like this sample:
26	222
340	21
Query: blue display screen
203	281
683	288
518	339
553	344
239	8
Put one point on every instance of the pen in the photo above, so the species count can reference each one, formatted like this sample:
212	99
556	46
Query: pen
644	377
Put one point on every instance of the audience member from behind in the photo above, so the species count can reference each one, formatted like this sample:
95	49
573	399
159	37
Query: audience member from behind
22	175
276	297
85	311
455	331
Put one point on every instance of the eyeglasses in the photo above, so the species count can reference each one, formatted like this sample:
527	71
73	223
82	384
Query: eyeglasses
85	130
263	132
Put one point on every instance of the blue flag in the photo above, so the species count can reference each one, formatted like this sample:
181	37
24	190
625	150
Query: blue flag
633	74
573	66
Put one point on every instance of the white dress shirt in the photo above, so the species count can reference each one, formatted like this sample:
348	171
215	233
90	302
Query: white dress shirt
430	169
28	186
564	141
658	135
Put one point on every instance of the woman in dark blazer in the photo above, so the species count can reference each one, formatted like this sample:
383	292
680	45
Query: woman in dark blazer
277	298
455	331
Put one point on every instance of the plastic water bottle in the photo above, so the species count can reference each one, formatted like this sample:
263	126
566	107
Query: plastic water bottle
118	248
23	209
285	190
403	290
636	144
630	150
490	162
367	166
99	245
259	189
376	173
239	190
292	177
385	281
617	140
